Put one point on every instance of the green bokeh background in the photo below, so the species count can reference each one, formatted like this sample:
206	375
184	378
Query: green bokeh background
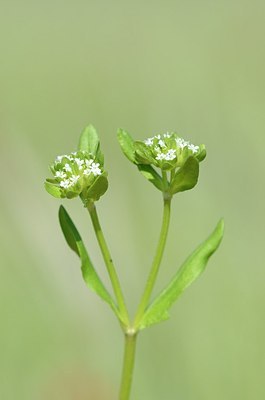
196	67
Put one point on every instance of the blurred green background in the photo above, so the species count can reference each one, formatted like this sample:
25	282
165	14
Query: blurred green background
196	67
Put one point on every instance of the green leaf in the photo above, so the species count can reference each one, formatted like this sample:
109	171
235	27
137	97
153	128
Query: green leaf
150	174
202	153
98	188
186	177
143	153
69	230
189	271
127	144
52	188
89	140
90	276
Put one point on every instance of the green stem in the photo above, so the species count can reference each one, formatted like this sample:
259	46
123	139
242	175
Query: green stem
128	364
156	263
109	264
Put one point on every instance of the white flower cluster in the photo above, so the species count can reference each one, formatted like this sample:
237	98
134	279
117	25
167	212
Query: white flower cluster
70	169
166	145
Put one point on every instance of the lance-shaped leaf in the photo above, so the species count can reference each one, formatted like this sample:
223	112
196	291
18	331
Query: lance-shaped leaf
127	144
186	177
90	276
89	140
189	271
151	174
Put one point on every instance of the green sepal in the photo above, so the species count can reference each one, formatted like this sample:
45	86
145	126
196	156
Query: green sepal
186	177
53	188
143	153
127	144
191	269
168	165
90	276
202	153
96	190
71	195
151	174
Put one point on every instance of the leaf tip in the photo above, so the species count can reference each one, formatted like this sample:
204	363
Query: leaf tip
221	226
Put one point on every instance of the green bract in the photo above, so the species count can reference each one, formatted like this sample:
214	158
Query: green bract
80	173
169	153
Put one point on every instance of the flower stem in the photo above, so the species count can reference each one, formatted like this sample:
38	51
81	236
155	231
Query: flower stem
128	364
109	264
156	264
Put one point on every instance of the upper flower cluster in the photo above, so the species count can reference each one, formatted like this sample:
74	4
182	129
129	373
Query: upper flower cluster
165	146
177	159
167	151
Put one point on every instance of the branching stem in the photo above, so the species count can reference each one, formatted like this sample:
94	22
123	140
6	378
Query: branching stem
156	264
109	264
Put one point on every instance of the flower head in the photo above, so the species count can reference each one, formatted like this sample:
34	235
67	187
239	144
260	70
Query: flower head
168	161
166	151
74	174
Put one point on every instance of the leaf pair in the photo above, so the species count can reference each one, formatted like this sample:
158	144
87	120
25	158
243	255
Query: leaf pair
190	270
90	276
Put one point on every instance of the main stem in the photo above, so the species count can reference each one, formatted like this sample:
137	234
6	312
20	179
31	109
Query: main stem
156	263
109	263
128	364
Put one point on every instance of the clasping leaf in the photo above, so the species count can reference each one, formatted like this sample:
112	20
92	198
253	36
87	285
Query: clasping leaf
189	271
90	276
186	177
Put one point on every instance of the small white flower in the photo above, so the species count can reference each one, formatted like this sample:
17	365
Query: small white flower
161	143
65	184
60	174
67	168
59	158
87	171
170	155
79	162
167	135
160	156
158	136
193	148
74	179
89	162
149	141
181	143
95	169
